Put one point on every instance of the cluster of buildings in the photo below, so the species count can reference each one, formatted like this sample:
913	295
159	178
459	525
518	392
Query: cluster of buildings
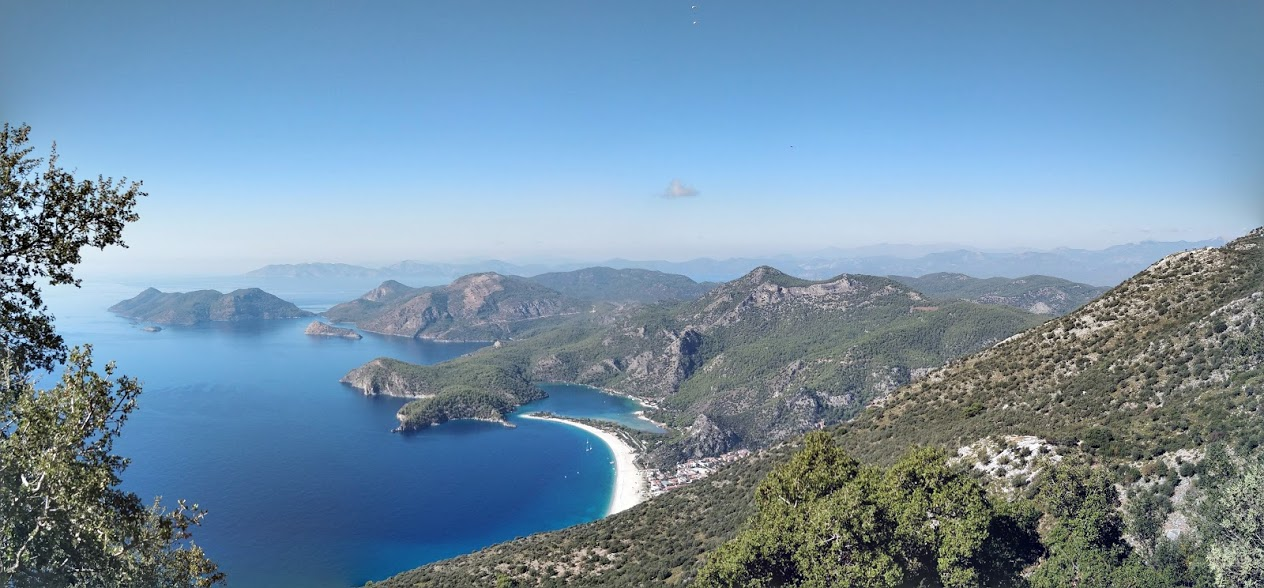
689	471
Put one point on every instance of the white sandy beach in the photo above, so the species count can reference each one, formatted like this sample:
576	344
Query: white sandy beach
629	480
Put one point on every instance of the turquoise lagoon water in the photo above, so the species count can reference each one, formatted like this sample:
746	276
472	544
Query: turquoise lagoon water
304	482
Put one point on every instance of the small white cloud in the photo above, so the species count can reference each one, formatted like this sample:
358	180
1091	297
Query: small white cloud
678	189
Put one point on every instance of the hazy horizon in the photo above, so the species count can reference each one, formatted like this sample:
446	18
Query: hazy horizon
230	268
299	132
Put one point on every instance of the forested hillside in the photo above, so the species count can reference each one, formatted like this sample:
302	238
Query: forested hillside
603	284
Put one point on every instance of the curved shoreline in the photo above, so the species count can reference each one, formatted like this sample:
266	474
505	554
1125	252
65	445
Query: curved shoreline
629	480
644	402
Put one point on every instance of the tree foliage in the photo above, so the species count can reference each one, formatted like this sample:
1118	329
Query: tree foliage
46	217
1233	524
825	520
64	521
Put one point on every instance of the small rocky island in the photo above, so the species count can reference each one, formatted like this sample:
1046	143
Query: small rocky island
188	308
320	329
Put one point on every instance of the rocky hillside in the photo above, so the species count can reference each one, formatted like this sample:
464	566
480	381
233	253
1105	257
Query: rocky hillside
763	358
1034	294
187	308
1168	362
603	284
1172	358
484	306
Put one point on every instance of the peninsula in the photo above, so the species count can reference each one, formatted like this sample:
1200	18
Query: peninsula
188	308
629	480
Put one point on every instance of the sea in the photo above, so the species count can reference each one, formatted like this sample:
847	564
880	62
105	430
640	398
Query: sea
303	481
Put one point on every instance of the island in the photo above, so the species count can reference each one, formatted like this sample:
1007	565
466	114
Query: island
189	308
320	329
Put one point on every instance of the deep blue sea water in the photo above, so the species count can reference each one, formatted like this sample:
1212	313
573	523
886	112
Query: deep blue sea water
304	482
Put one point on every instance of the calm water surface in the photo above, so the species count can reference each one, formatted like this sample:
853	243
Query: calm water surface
304	482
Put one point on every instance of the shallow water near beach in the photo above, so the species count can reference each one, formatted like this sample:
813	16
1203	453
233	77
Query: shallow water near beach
304	482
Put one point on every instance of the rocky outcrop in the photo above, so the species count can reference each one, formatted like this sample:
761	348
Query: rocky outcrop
320	329
385	376
187	308
706	439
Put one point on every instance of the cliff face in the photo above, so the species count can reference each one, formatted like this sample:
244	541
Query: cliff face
187	308
475	307
704	438
320	329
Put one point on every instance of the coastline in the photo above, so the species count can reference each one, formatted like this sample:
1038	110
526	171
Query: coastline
644	402
629	480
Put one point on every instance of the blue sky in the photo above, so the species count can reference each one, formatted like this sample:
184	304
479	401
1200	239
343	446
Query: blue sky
379	131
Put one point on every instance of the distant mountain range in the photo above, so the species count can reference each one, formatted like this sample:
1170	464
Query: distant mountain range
1102	267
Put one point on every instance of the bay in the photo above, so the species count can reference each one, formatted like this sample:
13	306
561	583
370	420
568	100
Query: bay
302	478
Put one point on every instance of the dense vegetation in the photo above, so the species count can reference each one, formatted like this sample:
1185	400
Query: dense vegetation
1143	394
1038	294
187	308
486	391
826	520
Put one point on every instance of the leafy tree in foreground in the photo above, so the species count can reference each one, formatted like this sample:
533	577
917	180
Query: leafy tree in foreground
1086	544
825	520
46	217
63	519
